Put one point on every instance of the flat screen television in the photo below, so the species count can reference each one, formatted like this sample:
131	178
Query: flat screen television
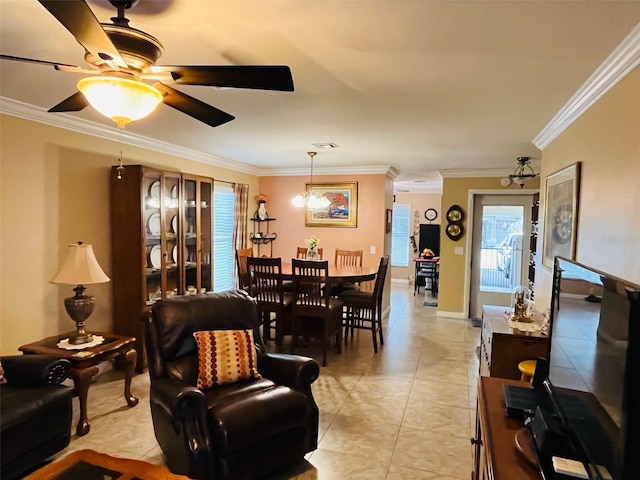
595	350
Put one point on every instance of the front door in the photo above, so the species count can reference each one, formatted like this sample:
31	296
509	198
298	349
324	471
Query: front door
500	249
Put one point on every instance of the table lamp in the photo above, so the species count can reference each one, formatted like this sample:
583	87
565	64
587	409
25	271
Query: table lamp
80	268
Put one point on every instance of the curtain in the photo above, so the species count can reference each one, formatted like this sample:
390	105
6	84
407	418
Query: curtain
241	193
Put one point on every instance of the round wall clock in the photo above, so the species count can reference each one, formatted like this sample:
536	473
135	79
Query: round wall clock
430	214
454	231
455	214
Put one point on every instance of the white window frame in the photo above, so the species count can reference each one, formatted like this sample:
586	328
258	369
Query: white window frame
400	232
223	246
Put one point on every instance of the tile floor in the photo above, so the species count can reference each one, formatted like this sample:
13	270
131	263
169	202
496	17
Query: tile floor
407	412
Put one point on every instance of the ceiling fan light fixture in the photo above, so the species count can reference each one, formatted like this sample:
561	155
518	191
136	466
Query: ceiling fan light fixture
120	99
523	172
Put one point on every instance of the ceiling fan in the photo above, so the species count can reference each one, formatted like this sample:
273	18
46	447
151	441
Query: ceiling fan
122	61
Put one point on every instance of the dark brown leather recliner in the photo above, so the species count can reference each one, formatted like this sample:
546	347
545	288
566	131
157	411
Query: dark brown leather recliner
35	412
238	431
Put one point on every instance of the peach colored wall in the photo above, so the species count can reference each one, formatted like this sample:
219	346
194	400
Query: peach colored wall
290	221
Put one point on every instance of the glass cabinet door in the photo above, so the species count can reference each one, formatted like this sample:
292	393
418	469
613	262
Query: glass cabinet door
171	235
191	235
197	233
206	222
152	233
161	214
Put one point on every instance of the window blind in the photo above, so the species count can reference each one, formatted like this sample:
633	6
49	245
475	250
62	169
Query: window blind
400	224
223	248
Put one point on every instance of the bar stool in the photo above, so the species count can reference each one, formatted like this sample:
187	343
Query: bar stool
527	369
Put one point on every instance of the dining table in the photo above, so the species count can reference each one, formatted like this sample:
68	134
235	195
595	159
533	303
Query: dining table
338	273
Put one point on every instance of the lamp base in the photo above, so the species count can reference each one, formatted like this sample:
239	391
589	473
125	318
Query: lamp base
79	308
80	337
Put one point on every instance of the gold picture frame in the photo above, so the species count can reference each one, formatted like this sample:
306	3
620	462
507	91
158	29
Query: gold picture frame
562	190
342	210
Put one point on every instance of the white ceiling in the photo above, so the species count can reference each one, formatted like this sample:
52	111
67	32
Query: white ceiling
420	86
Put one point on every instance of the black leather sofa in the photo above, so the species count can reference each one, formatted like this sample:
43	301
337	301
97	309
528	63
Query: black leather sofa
242	430
35	412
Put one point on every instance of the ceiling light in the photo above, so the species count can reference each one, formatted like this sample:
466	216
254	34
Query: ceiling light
121	99
312	201
523	172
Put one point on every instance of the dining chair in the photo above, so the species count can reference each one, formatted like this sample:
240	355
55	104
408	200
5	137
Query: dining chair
315	311
426	276
267	288
241	266
363	310
347	258
302	252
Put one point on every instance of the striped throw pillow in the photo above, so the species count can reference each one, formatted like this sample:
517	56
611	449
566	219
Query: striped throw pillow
225	356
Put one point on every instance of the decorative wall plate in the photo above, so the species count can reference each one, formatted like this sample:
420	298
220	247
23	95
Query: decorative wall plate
455	214
454	231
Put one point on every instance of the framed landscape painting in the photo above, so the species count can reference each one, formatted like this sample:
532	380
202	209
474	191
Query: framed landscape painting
343	205
561	214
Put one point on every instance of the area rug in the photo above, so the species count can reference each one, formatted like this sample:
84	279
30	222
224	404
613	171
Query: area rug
90	465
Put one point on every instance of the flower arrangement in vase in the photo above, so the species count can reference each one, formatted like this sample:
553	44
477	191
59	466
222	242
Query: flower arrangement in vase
261	214
312	248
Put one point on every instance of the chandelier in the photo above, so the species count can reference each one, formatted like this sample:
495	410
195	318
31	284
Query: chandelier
312	201
523	172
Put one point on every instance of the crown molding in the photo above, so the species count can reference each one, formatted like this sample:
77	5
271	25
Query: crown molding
15	108
23	110
618	64
476	172
418	189
302	171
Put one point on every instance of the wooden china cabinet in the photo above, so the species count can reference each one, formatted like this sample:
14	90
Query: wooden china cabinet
161	232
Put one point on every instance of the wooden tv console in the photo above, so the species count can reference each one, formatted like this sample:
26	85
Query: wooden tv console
495	454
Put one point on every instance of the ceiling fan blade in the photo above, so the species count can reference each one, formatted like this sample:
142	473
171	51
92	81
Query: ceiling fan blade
77	17
193	107
74	103
262	77
38	62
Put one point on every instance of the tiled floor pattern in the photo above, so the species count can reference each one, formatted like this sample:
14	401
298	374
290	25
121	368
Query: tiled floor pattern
406	413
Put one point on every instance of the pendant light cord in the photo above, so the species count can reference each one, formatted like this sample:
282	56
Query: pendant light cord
312	154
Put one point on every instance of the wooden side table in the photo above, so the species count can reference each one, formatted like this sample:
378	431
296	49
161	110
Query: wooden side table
84	365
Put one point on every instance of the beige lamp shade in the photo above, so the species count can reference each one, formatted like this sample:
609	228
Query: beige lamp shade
80	267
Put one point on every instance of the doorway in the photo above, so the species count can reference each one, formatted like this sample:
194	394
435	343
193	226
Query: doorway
500	249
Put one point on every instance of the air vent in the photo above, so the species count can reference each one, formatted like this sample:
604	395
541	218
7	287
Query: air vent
325	145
